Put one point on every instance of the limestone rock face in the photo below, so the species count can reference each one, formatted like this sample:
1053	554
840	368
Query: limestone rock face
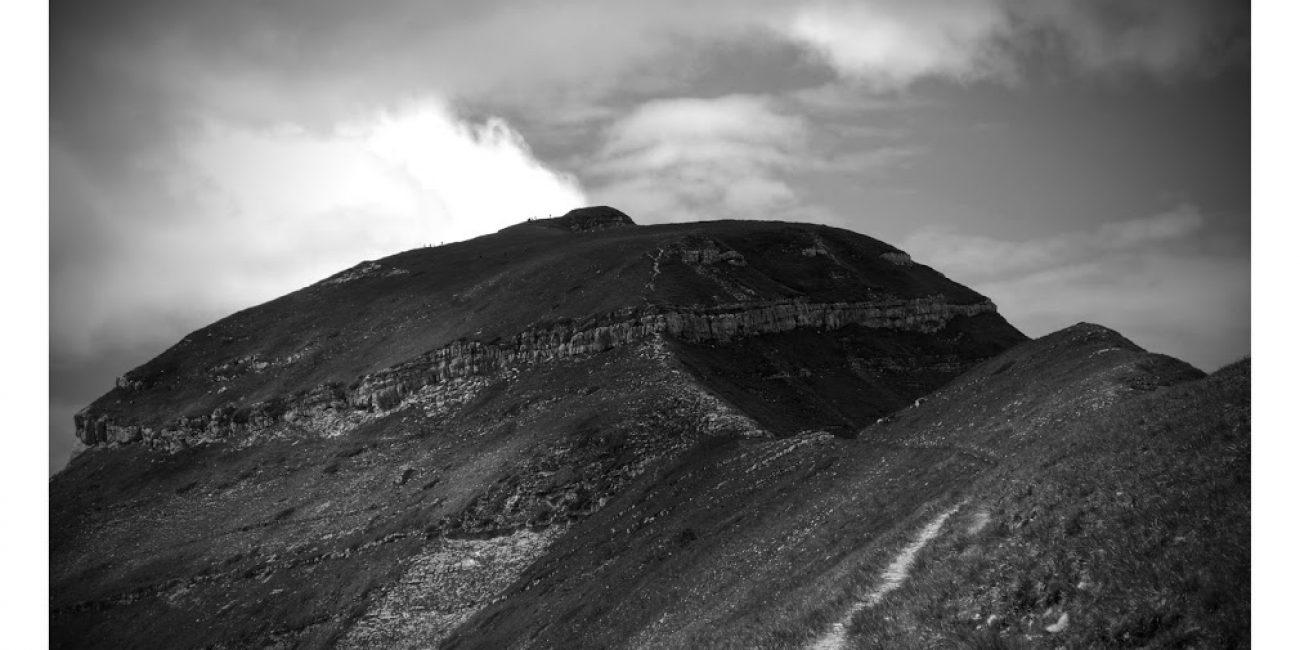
331	409
363	270
706	252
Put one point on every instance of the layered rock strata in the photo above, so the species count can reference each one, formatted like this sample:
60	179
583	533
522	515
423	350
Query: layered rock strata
329	407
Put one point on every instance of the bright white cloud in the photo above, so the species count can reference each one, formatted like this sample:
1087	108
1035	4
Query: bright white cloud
244	215
475	178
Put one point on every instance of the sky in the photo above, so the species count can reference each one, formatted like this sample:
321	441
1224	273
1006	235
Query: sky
1074	160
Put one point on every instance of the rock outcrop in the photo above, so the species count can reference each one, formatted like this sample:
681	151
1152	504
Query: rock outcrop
706	251
597	334
591	219
331	409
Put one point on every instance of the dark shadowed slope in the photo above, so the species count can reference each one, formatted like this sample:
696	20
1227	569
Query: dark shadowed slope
837	380
373	459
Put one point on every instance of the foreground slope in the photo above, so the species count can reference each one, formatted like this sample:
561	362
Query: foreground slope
1123	526
295	541
383	457
1073	478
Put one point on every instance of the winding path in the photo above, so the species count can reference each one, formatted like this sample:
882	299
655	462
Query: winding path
890	579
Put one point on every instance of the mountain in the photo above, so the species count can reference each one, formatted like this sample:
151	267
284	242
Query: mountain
581	432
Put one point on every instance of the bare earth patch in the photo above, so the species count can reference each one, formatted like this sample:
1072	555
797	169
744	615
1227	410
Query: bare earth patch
443	587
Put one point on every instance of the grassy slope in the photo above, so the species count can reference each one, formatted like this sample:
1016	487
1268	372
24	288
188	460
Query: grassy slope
740	545
1032	392
1100	481
1114	481
766	544
1133	520
293	540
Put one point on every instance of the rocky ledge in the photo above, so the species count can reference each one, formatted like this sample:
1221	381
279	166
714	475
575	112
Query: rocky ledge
447	374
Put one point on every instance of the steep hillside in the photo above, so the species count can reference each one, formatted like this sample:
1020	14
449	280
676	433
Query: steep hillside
531	293
372	459
583	433
1049	476
1122	526
296	539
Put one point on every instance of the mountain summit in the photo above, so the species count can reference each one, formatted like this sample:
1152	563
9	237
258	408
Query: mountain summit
598	217
581	432
365	339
